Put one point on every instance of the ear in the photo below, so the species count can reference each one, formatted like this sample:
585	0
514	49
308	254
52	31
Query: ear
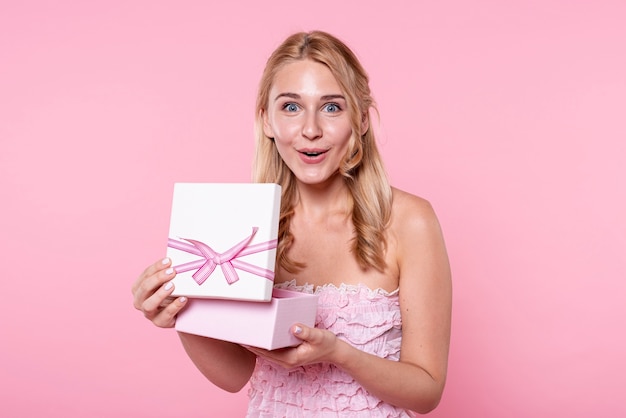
267	127
365	123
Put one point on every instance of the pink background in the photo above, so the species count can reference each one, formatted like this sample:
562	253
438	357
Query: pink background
508	116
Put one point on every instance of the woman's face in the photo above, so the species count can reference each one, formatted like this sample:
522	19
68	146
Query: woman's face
308	118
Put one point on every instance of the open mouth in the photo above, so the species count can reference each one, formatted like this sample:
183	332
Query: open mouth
313	153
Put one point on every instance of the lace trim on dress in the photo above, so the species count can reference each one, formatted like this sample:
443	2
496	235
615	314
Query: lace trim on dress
312	289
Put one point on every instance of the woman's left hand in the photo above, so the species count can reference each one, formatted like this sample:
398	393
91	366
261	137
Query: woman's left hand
318	345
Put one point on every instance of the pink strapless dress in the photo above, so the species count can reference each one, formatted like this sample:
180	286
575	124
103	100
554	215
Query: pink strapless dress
367	319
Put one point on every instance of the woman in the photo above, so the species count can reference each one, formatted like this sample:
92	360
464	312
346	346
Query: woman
374	254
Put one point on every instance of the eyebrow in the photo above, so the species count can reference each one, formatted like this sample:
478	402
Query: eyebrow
297	96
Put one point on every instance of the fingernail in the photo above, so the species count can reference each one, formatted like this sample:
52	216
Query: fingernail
168	285
297	330
169	271
182	299
165	260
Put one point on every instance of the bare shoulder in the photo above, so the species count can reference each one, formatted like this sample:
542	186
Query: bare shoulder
415	227
411	212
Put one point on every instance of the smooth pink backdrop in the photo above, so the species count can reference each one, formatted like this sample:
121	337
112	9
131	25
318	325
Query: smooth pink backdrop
508	116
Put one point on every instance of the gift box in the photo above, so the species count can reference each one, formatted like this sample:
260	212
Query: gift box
259	324
222	240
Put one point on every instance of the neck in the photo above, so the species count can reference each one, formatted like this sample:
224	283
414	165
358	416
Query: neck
320	200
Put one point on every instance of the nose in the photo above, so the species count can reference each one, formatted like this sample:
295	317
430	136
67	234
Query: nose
311	128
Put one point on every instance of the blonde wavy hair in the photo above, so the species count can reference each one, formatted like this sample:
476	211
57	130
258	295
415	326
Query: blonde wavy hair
362	167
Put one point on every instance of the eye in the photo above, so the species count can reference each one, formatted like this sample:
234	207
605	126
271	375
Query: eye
332	107
290	107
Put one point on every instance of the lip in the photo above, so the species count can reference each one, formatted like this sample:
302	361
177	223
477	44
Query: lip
312	155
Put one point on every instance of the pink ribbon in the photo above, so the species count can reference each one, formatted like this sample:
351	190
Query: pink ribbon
226	260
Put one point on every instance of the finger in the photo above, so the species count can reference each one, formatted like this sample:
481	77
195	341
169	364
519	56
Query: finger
155	303
167	301
255	350
150	285
285	357
167	317
151	270
302	332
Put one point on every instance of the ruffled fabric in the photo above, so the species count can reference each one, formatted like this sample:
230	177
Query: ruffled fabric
365	318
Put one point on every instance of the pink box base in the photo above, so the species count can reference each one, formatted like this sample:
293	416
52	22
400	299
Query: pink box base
259	324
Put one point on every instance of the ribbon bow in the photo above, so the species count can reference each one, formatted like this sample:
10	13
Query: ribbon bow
227	260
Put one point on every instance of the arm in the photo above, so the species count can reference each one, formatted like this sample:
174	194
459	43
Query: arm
417	380
227	365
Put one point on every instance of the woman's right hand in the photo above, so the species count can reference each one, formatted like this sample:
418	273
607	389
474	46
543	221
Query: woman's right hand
152	294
